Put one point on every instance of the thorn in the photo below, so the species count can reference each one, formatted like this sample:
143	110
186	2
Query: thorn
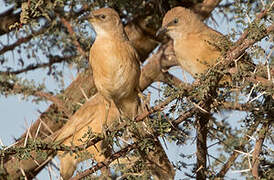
27	136
201	167
257	97
45	162
263	3
248	96
80	104
37	131
248	18
1	143
251	138
84	94
11	145
240	171
24	174
199	107
46	126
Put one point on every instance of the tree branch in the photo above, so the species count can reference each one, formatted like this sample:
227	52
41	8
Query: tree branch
206	7
73	36
235	154
52	60
22	40
258	149
106	163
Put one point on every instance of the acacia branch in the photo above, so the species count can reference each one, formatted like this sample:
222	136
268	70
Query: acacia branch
244	35
106	163
73	36
237	106
60	105
206	7
203	118
23	40
52	60
245	43
46	145
258	149
19	88
235	154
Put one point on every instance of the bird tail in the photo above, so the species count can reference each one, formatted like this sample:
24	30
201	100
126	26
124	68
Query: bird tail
158	163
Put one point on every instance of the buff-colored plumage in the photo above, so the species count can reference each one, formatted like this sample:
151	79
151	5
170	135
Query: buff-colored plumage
115	62
89	116
195	44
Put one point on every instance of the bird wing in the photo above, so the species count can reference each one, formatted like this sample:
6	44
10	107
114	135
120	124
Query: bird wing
84	116
223	44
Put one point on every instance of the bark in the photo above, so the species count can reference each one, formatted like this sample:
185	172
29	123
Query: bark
201	145
258	149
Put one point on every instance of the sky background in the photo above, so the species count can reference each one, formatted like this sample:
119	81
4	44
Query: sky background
17	114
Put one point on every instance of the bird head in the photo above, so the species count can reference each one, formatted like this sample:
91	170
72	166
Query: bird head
177	21
104	20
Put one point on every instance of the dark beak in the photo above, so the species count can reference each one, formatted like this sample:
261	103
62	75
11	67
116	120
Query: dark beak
161	31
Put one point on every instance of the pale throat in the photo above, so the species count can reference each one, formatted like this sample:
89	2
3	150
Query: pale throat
107	34
100	32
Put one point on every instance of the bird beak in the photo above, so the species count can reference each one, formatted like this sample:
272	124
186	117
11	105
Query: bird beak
86	17
161	31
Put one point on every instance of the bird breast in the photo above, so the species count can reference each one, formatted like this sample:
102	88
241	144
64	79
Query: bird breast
115	68
195	54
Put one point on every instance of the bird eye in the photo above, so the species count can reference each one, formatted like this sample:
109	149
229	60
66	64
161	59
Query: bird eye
102	16
176	21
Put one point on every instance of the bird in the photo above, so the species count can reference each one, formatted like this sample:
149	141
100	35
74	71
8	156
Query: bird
87	119
197	47
114	62
75	131
116	72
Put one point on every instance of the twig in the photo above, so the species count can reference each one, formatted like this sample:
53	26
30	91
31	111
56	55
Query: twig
235	154
155	109
22	40
73	35
52	60
106	163
60	105
246	32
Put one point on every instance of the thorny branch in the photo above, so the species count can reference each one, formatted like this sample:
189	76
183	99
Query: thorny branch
258	149
106	163
235	154
52	60
73	36
22	40
17	87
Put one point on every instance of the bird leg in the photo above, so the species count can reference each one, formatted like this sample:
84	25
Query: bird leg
104	123
145	99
